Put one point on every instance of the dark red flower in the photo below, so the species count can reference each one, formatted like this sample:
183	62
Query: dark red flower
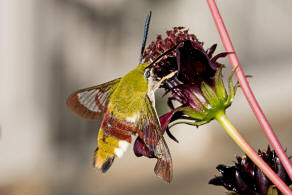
194	63
198	86
245	178
196	66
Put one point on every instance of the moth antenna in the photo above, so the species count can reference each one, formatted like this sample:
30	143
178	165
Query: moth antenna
146	29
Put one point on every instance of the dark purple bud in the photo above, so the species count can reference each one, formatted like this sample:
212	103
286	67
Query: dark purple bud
261	181
227	178
248	178
280	170
243	187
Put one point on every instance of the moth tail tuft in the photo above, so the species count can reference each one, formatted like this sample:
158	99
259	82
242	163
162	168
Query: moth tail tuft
102	162
107	164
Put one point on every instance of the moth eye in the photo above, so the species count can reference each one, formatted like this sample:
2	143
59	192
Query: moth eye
147	74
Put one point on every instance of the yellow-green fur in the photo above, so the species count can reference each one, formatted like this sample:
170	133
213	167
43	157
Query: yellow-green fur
128	98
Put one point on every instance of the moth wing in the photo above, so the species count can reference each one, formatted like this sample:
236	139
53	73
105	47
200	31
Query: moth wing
92	102
153	138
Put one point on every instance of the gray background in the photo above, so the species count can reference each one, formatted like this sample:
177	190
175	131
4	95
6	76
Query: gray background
50	48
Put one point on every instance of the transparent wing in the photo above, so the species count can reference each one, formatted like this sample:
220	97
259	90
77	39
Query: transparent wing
152	136
92	102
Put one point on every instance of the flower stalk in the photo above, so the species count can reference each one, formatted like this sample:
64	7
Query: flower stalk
247	149
246	89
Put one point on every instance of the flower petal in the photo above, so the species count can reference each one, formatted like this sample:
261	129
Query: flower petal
164	120
211	50
193	64
140	149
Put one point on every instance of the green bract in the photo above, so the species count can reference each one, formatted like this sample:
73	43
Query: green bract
216	100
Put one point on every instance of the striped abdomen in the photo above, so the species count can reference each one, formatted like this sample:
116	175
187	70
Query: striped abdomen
113	140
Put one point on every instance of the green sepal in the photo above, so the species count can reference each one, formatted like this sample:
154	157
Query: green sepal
272	190
192	117
231	89
193	123
216	101
210	95
231	193
236	87
219	85
192	113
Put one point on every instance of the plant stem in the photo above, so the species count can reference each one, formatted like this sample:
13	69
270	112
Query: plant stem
247	149
247	91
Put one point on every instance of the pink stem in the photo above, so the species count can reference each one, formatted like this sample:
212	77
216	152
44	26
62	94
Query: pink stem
246	89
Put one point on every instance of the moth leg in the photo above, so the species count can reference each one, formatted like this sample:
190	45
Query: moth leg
163	79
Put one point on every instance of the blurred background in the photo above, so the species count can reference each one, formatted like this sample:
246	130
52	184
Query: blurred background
51	48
